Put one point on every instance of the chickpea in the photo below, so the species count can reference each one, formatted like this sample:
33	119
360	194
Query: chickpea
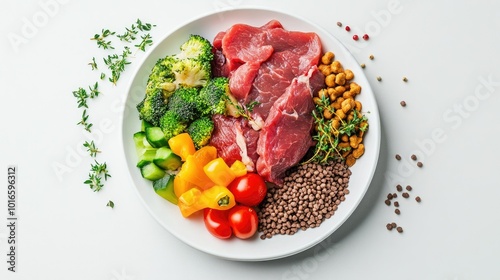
335	123
355	141
340	79
350	160
348	94
325	69
357	153
323	93
345	138
317	100
340	89
355	88
343	145
327	113
333	94
349	75
330	80
346	153
340	114
347	105
336	67
327	58
350	117
358	106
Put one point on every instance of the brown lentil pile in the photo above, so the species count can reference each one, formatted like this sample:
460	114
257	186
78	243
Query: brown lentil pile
311	193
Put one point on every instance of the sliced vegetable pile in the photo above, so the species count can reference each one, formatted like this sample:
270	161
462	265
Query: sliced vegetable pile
197	180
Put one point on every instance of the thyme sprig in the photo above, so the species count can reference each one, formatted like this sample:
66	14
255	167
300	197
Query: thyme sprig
84	121
117	63
94	90
93	64
327	137
91	148
81	97
98	171
101	39
146	41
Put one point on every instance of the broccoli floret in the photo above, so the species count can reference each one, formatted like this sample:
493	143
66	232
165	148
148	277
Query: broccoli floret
192	72
162	77
183	103
214	95
171	125
196	47
200	131
152	107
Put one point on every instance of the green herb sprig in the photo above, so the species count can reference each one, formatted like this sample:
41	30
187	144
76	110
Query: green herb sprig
84	121
327	137
98	171
91	148
101	39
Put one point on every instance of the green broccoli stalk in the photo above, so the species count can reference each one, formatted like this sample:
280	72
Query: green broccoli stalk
200	131
152	107
171	125
183	103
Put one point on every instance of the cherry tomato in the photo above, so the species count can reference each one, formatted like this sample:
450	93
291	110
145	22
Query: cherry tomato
243	220
249	189
216	222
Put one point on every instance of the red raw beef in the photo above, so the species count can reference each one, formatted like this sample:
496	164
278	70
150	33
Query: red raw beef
264	60
286	135
235	140
276	68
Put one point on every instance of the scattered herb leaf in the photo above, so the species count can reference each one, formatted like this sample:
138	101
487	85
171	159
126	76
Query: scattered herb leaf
100	39
93	64
81	97
91	148
87	126
94	91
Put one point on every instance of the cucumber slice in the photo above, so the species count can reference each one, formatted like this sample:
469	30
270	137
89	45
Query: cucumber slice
156	137
139	139
147	156
152	172
141	143
166	159
164	187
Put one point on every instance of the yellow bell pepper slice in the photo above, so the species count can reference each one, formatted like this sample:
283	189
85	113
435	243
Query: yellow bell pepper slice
193	173
219	172
182	145
216	197
239	168
181	186
205	154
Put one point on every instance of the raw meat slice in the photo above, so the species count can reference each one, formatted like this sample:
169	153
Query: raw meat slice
241	79
230	138
244	43
295	54
286	135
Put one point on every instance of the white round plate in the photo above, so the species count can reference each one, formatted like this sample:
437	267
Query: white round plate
192	231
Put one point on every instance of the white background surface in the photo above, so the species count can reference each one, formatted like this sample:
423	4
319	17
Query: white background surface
447	49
